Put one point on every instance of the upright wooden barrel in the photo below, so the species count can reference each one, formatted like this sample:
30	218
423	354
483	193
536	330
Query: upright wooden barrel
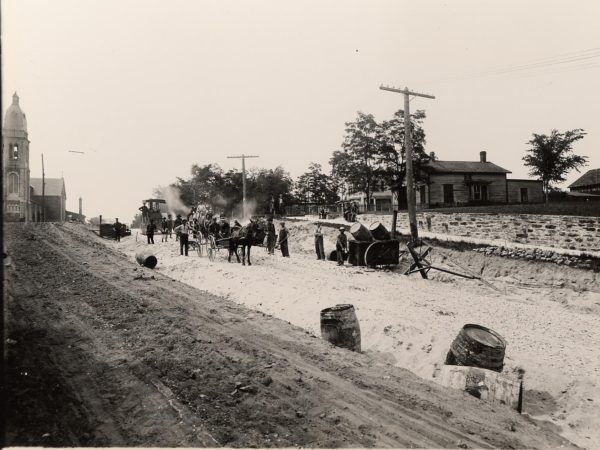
379	232
356	252
146	258
360	232
477	346
339	326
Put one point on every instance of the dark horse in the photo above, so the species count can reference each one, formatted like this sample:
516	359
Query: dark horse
247	236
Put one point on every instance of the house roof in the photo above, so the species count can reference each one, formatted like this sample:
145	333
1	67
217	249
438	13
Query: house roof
589	178
463	167
54	186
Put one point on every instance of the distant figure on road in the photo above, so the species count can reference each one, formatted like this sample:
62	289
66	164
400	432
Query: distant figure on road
164	229
117	229
319	249
271	236
183	231
341	246
170	225
282	241
150	229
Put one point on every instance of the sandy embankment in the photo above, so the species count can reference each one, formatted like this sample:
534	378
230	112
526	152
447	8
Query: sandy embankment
551	331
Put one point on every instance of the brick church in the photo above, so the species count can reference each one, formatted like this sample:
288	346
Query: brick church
24	198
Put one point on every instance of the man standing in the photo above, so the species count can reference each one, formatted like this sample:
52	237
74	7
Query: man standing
117	229
282	241
164	230
145	212
213	228
178	221
271	236
183	231
150	229
319	249
341	246
170	225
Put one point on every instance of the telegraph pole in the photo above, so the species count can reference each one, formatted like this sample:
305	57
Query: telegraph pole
243	158
410	189
43	191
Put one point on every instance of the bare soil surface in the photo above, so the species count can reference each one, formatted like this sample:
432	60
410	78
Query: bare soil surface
101	353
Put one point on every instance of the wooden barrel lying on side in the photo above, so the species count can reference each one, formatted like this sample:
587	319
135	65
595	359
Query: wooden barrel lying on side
339	326
146	258
477	346
379	232
360	232
382	253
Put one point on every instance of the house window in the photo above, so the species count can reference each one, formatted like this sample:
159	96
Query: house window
15	152
13	183
479	192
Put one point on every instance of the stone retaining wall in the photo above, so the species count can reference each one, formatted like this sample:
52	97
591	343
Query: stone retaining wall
569	232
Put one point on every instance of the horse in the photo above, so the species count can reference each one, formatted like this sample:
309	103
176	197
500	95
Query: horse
246	236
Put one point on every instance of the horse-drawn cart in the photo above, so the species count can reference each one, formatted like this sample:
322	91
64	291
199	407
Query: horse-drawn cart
213	245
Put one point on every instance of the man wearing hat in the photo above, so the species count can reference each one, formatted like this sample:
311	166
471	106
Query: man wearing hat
178	221
224	228
319	249
282	240
341	246
271	236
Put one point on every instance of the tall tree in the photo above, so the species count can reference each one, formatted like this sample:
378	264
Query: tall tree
550	157
315	186
355	163
391	157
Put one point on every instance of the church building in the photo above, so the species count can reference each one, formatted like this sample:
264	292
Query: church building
24	198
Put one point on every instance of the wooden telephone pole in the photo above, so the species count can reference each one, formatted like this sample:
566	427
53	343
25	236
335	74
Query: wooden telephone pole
410	189
43	191
243	157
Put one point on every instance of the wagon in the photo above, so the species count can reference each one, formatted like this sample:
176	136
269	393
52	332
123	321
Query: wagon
213	245
199	243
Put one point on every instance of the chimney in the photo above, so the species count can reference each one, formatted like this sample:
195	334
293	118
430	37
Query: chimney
80	207
432	156
482	156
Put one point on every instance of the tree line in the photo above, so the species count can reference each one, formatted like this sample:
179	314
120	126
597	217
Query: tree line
372	158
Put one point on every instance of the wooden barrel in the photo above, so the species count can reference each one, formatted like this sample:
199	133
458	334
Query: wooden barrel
356	252
333	256
339	326
146	258
360	232
379	232
383	253
477	346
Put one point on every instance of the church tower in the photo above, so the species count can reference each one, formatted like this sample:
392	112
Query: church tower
15	153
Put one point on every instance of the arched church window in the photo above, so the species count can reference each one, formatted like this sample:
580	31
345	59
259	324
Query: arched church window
15	152
13	183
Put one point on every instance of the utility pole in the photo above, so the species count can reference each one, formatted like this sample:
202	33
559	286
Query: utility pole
43	191
243	157
410	189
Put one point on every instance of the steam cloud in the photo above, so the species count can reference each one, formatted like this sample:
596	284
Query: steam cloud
171	196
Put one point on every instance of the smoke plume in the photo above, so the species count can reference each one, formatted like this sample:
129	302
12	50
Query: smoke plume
171	196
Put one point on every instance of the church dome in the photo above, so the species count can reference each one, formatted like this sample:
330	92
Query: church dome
15	118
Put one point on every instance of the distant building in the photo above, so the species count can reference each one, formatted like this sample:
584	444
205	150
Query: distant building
457	183
587	185
22	195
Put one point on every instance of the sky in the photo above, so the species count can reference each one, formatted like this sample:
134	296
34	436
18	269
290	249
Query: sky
147	88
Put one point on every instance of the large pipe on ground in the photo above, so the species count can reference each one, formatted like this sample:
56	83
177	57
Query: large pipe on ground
146	258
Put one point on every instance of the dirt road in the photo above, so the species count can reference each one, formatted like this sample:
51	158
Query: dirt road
99	353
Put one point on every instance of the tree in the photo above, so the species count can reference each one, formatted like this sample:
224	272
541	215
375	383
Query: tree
355	163
314	186
550	158
265	183
391	157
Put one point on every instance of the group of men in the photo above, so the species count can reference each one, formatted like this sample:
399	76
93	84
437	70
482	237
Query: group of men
277	240
341	245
